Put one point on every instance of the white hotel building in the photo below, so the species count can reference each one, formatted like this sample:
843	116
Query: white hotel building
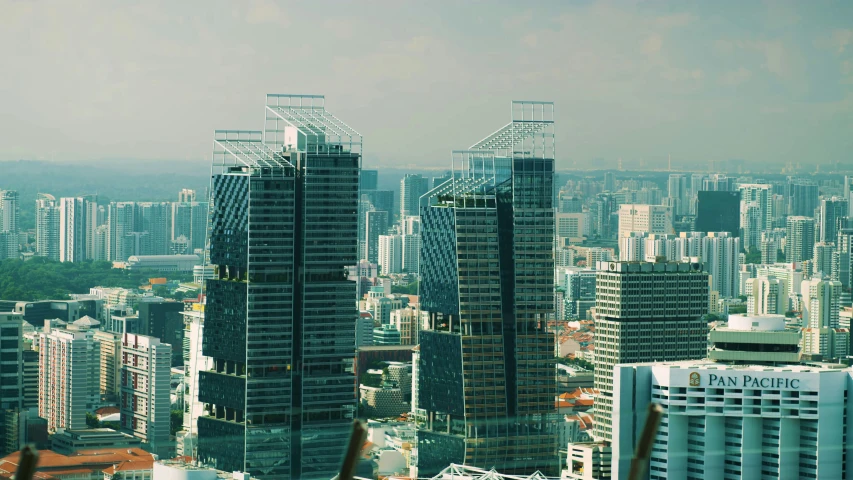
736	421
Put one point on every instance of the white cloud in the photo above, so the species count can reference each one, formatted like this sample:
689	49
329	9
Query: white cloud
265	11
736	77
652	44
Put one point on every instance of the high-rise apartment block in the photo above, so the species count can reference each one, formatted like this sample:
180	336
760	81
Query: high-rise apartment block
721	258
66	361
756	213
47	226
645	312
832	213
74	222
280	316
799	243
821	333
644	218
766	296
9	214
802	196
144	401
110	365
487	287
678	194
390	258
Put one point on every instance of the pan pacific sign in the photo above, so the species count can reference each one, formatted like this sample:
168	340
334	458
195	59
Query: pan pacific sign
743	380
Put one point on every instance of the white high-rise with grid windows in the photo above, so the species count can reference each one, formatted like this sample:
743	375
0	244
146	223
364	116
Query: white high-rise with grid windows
145	400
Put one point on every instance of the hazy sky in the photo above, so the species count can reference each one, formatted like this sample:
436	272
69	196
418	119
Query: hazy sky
707	80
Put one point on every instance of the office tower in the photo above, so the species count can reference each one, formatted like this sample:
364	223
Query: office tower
279	323
718	183
376	223
678	194
799	239
822	259
30	378
411	245
802	197
122	223
820	305
412	187
11	363
721	257
189	220
661	303
571	225
155	218
144	403
766	296
756	213
580	292
109	381
632	247
65	361
390	256
47	226
718	211
186	195
381	200
487	290
832	211
842	258
369	180
644	218
163	320
609	182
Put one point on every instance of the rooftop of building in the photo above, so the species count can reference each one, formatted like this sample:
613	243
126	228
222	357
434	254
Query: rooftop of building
82	461
808	367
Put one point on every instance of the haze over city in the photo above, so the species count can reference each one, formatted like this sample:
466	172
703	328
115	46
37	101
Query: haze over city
766	83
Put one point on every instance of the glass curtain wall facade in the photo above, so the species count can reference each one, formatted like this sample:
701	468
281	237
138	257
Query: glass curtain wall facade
487	285
280	317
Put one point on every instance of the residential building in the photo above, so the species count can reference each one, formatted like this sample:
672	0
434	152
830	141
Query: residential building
411	245
822	258
406	321
820	307
376	224
799	240
155	218
110	365
644	218
632	247
718	183
279	322
756	213
145	392
721	258
678	194
766	296
189	220
66	358
74	222
487	303
47	226
390	257
802	196
194	362
595	255
645	312
832	212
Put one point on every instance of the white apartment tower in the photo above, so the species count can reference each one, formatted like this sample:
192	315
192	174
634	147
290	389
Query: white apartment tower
766	296
721	256
47	226
411	245
145	390
756	213
799	242
820	305
73	222
65	361
644	218
390	256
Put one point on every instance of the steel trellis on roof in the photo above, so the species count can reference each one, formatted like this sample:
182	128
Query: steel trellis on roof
301	122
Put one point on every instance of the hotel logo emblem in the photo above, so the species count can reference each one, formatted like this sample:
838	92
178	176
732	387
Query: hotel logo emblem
694	379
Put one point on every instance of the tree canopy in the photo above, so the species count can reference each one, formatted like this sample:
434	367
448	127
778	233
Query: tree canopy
43	279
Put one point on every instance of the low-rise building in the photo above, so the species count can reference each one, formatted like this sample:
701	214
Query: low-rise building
587	461
755	339
69	442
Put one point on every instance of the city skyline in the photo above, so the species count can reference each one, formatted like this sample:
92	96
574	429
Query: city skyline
744	82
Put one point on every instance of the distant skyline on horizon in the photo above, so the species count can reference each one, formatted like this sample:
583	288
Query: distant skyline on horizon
770	83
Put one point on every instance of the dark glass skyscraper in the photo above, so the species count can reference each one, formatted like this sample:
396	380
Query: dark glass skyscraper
280	316
718	211
487	285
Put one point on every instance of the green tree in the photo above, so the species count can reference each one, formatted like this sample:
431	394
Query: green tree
753	255
176	421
